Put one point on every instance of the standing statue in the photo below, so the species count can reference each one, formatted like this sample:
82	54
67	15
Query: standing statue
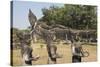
77	50
26	49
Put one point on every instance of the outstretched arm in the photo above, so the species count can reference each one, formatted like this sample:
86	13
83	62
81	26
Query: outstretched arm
34	58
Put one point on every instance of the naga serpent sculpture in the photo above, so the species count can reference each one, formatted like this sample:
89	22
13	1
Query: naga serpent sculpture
48	35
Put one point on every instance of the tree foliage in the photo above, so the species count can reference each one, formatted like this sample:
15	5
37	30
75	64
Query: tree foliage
73	16
17	36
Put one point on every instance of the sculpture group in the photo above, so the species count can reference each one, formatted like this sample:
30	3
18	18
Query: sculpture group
49	34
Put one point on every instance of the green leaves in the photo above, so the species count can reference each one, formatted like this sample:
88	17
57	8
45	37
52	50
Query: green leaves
74	16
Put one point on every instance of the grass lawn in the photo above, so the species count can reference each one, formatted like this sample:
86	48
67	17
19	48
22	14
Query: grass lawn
65	50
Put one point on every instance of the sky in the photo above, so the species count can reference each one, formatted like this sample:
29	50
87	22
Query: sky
21	9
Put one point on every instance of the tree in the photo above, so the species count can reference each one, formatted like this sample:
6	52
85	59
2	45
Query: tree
19	35
15	40
73	16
